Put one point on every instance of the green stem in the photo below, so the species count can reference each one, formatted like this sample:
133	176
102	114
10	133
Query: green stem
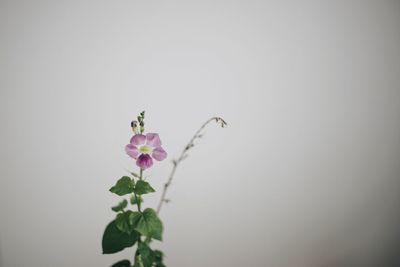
138	197
138	201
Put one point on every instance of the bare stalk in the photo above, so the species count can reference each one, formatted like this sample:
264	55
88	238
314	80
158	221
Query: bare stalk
183	155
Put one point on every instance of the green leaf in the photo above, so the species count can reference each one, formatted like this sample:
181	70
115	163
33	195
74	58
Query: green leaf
121	206
123	263
124	186
159	258
135	198
143	187
150	225
134	218
144	256
114	240
123	222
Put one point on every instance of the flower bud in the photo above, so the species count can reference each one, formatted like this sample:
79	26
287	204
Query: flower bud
135	127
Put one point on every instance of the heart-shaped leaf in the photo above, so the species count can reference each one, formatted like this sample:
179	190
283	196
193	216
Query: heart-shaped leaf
149	224
115	240
124	186
143	187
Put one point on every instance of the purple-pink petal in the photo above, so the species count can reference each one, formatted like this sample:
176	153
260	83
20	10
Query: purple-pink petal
131	150
159	153
144	161
153	140
138	139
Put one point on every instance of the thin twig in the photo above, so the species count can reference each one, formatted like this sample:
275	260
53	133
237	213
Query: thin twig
183	155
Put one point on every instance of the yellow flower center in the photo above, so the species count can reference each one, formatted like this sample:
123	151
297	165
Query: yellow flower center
145	149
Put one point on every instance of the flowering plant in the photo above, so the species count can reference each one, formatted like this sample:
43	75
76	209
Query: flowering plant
141	226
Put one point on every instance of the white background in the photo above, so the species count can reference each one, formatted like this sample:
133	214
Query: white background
306	174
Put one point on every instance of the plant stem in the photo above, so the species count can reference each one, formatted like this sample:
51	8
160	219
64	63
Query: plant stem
138	197
183	155
138	203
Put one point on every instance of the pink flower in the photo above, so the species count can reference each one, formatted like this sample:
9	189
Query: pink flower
142	146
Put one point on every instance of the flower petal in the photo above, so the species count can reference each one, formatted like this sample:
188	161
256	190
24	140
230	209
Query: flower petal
144	161
138	139
131	150
159	153
153	140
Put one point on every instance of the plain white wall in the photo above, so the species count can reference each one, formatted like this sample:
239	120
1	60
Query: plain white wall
306	175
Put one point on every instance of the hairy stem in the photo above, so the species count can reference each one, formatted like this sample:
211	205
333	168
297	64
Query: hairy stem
183	155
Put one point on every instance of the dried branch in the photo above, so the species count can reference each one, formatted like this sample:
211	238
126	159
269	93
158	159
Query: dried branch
184	155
